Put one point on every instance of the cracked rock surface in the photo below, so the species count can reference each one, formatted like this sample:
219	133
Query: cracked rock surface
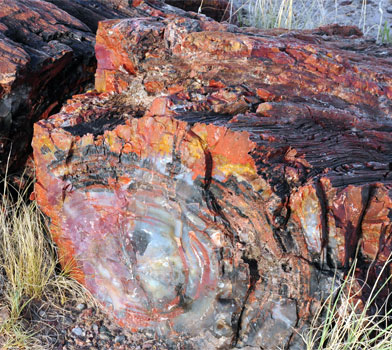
218	176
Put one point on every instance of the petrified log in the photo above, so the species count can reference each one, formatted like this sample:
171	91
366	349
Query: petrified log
218	177
46	56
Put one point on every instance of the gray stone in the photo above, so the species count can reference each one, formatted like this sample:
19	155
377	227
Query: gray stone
95	328
79	332
81	306
119	339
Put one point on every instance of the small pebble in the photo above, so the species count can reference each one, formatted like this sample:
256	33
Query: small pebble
78	331
104	336
68	321
104	329
389	9
87	312
79	342
81	306
42	313
119	339
95	328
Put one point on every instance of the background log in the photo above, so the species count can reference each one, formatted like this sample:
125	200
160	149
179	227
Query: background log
220	10
220	175
46	56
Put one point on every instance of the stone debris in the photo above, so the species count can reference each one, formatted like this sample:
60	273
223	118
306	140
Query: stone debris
90	329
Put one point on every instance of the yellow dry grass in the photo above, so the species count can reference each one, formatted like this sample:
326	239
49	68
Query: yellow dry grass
345	323
28	263
304	14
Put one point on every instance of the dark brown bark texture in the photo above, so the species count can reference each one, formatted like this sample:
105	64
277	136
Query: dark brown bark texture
218	176
46	56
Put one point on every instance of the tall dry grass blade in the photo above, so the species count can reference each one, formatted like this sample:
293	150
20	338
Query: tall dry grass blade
28	262
345	323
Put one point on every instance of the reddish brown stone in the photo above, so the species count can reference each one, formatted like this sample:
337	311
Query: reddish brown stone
218	178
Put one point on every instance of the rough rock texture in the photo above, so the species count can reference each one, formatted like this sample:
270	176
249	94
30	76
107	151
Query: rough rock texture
46	55
218	176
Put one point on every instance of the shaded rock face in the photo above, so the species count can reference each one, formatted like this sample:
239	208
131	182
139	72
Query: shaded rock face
219	176
46	55
219	10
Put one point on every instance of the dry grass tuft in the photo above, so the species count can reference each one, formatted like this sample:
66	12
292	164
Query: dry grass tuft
28	264
290	14
306	14
347	324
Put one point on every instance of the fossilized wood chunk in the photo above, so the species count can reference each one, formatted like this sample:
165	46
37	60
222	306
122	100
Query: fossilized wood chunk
217	178
168	223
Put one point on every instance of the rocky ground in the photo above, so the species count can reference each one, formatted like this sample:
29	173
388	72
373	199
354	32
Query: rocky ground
82	326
